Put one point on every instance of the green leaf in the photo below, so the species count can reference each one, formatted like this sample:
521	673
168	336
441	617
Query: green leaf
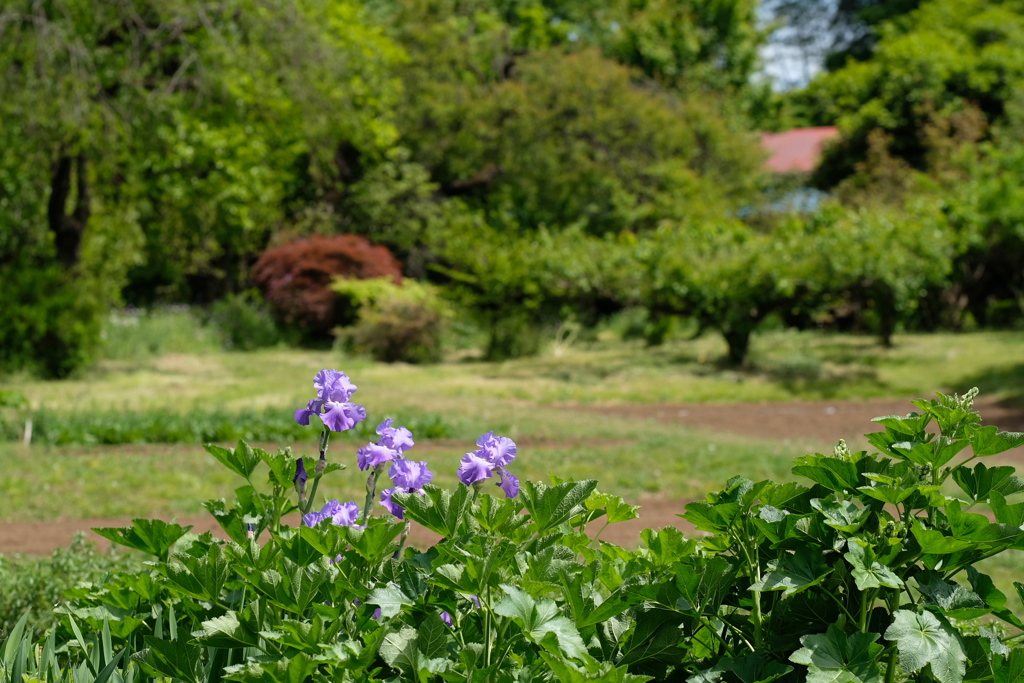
667	546
592	670
377	540
227	631
550	506
934	542
440	510
537	619
176	659
794	572
151	536
616	508
867	571
912	424
954	600
843	516
401	652
390	598
752	668
978	483
834	657
832	473
242	460
987	441
922	640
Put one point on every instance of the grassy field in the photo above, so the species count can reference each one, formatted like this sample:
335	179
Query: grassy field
535	401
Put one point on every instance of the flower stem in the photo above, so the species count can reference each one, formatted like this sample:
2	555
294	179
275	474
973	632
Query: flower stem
371	490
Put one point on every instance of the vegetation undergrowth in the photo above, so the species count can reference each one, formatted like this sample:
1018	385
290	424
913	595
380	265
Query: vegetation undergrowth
867	572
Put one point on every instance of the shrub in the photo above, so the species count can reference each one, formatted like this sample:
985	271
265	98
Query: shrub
244	322
50	323
295	278
394	322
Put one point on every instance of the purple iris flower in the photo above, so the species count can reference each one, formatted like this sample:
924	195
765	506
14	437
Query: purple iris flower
409	476
373	455
446	618
396	438
332	406
492	456
340	514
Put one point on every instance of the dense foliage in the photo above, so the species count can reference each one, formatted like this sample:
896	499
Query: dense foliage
540	161
866	573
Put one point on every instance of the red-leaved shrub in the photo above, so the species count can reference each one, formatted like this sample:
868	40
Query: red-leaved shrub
295	278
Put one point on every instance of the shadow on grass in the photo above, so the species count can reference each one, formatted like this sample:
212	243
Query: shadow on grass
1006	381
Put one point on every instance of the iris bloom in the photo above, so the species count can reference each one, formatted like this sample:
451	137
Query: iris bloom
340	514
409	476
493	455
332	405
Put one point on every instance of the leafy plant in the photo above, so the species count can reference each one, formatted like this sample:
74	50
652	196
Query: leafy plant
394	322
867	574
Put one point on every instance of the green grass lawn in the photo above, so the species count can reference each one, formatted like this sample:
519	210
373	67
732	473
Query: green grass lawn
530	400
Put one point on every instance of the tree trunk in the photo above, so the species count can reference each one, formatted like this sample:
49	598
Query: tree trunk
739	344
68	229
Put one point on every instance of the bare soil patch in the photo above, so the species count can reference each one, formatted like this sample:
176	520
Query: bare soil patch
819	420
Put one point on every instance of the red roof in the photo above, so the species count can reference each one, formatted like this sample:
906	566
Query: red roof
797	150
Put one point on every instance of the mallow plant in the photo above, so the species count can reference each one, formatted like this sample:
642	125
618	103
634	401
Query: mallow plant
864	573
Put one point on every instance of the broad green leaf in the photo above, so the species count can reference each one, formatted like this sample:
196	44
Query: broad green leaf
440	510
540	618
867	571
834	657
242	460
616	508
979	482
795	572
227	631
832	473
989	440
389	598
400	649
377	540
550	506
954	600
151	536
176	659
911	424
922	640
843	516
934	542
752	668
297	669
1010	669
667	546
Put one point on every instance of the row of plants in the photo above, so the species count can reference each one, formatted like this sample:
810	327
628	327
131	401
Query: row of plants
867	572
159	425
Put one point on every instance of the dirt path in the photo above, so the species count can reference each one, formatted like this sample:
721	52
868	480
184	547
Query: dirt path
819	420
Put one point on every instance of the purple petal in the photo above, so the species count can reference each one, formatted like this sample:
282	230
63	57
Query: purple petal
333	386
476	599
485	439
409	474
474	468
509	483
311	519
396	438
446	618
300	472
340	417
394	508
346	514
372	455
302	415
501	451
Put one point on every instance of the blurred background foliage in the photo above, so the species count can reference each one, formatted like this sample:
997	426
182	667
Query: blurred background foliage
519	168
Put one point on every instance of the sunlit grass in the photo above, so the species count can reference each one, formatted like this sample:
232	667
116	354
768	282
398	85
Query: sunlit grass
531	400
